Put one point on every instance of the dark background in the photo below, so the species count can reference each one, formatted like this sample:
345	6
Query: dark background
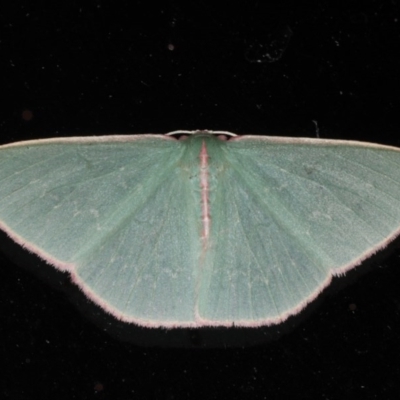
295	69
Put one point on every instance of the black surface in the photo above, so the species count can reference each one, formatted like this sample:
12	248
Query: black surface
135	67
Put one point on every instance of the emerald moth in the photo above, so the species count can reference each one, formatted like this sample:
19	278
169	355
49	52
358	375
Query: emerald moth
208	229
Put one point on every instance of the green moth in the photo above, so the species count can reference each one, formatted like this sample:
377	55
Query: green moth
212	229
